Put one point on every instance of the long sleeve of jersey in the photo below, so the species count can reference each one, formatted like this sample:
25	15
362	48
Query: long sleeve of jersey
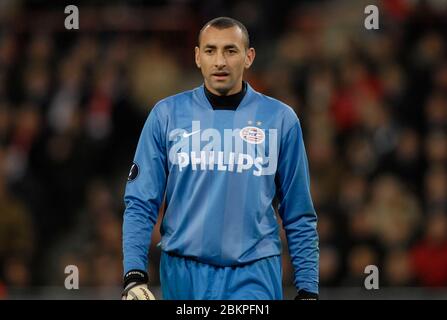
144	194
296	209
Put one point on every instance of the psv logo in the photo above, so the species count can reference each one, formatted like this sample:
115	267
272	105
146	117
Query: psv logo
252	135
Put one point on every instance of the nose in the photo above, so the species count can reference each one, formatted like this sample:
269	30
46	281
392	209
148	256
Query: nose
220	60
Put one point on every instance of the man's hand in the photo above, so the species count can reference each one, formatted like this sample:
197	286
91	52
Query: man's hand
304	295
137	292
135	286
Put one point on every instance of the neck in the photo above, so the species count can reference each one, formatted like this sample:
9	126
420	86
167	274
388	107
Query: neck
232	91
226	102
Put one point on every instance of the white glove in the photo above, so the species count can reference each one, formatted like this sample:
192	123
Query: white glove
135	291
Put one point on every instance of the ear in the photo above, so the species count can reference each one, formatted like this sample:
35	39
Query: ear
197	56
249	57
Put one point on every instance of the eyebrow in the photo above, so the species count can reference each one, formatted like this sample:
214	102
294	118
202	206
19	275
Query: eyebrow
228	46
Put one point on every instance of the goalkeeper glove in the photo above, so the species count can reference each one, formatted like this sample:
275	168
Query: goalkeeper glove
304	295
135	286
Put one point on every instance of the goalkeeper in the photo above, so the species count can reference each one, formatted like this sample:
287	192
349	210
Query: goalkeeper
219	155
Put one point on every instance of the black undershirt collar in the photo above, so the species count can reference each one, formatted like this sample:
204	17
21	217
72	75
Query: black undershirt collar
230	102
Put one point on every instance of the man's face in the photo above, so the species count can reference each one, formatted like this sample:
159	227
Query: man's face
222	58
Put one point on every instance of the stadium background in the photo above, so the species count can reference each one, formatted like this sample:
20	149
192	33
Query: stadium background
373	105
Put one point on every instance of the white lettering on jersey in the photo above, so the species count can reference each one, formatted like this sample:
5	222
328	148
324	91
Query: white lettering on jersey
239	150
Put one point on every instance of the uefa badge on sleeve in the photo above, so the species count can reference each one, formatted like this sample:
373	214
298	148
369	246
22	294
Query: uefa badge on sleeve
133	173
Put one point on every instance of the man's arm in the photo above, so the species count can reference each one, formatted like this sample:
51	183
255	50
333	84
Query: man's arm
143	196
297	211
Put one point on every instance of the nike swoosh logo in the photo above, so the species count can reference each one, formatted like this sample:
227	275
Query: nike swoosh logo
186	135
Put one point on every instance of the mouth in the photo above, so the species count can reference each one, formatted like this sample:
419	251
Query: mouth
220	75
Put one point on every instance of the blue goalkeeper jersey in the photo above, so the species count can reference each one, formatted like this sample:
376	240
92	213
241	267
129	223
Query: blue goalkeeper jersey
219	172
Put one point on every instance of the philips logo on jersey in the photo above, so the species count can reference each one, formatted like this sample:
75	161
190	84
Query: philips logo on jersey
235	150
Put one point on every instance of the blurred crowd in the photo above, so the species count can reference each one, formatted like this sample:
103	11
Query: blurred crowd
372	103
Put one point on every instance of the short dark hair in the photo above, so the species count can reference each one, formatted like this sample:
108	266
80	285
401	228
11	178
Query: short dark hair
225	23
